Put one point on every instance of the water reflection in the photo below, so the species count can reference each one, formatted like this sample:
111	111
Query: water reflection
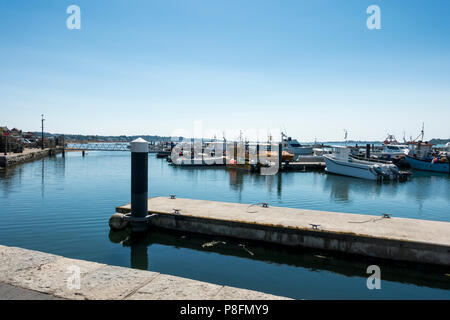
42	177
313	260
12	177
79	194
238	179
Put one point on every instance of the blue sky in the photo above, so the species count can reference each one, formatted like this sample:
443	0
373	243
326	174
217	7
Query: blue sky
155	67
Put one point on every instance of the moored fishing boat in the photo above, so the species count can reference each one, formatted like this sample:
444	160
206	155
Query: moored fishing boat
422	157
340	162
435	164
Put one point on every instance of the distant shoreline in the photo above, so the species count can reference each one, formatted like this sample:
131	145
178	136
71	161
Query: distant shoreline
78	138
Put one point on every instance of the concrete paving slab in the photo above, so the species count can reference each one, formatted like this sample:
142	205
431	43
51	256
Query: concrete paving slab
57	274
108	283
28	274
166	287
17	260
230	293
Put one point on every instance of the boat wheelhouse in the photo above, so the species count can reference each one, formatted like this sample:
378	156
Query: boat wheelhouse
294	147
392	151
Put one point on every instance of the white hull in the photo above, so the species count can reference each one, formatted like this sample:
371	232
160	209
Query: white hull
346	168
361	168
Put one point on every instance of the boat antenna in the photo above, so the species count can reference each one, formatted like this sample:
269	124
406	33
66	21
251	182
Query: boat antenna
345	135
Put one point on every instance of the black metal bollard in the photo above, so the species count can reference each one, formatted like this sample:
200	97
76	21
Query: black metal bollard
139	184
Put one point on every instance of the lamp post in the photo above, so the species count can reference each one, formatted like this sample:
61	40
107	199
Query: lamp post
5	134
42	132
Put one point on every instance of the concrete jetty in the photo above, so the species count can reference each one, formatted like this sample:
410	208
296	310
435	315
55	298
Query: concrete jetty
386	237
28	274
27	155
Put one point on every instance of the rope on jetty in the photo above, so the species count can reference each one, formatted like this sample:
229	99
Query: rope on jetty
385	216
262	204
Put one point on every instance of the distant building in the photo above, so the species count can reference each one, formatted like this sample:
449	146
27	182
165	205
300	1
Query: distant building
30	136
3	129
15	133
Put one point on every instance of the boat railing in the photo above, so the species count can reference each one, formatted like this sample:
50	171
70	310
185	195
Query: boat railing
362	158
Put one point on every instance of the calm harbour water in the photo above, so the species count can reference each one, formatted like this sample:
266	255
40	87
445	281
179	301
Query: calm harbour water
62	206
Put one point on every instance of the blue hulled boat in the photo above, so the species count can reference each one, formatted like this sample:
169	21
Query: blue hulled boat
422	157
428	164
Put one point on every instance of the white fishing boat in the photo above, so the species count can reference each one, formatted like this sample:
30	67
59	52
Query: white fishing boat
340	162
391	151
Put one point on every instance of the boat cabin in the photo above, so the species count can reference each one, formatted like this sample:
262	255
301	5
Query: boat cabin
290	143
420	149
341	152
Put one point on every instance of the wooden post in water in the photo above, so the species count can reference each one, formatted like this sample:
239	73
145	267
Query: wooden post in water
246	152
64	147
280	156
6	145
224	150
257	153
139	184
368	151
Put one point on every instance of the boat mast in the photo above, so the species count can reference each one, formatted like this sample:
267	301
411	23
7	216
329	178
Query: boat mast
423	130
